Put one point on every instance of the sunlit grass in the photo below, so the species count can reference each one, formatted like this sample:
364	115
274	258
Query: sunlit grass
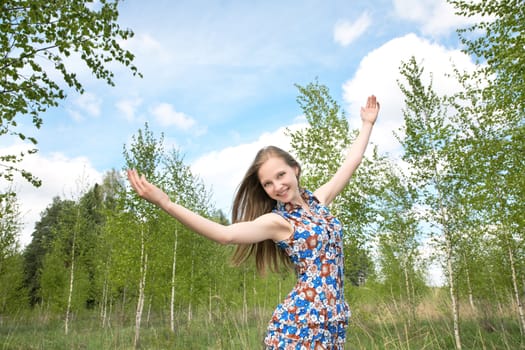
382	326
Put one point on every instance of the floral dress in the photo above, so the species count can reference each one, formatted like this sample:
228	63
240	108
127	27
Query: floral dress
314	315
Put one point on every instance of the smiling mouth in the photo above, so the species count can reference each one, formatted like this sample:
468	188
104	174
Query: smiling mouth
282	193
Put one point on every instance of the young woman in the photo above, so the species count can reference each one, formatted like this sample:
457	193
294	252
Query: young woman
275	219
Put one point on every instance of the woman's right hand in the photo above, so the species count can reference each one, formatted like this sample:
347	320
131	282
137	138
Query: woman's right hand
147	190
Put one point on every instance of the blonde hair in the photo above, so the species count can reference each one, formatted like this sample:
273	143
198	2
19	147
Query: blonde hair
250	202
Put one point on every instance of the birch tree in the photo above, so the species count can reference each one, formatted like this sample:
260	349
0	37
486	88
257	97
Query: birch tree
427	133
145	155
158	232
402	267
188	190
64	280
106	210
497	144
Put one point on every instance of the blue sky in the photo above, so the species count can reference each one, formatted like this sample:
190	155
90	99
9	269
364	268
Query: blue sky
219	82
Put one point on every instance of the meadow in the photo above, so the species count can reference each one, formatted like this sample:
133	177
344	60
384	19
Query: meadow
386	325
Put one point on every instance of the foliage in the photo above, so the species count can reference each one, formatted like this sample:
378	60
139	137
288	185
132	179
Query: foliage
40	38
12	294
497	41
41	243
492	112
400	265
10	224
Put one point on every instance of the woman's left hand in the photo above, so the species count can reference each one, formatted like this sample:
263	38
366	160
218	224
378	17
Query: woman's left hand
370	112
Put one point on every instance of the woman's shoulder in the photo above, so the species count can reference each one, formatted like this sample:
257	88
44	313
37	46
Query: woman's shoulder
276	223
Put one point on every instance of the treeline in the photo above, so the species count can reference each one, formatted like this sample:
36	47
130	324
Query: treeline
109	251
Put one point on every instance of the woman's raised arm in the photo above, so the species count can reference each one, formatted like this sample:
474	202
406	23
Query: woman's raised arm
327	192
268	226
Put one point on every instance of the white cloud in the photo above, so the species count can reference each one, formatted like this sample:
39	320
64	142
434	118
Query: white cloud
146	46
436	17
128	107
166	115
75	115
378	74
86	104
345	32
61	176
90	103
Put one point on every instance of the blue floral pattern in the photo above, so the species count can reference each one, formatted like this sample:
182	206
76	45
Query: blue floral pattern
314	315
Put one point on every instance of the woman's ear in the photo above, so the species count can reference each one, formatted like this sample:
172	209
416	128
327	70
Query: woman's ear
296	169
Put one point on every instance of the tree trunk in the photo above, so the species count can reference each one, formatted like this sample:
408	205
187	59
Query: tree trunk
142	287
470	293
173	274
104	303
452	290
70	292
408	291
516	289
192	273
105	293
71	273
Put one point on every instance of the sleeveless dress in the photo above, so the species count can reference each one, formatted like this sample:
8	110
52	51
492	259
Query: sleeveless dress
314	315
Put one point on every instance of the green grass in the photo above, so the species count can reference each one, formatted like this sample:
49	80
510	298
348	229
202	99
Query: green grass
434	334
378	327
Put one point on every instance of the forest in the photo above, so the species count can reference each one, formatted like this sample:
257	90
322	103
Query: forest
107	270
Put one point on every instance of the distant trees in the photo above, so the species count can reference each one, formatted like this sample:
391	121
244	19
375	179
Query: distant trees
427	149
12	293
403	271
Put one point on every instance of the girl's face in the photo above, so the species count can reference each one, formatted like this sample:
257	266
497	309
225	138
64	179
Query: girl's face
279	180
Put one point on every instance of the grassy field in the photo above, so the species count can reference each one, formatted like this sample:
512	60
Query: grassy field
384	326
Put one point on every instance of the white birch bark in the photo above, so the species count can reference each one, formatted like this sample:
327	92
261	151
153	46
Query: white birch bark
452	291
71	273
70	291
470	292
104	301
192	272
408	290
173	274
519	304
142	286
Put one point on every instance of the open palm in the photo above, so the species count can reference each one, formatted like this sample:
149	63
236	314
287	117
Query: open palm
370	111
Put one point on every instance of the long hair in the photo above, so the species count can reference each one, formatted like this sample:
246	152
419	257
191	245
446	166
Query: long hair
250	202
